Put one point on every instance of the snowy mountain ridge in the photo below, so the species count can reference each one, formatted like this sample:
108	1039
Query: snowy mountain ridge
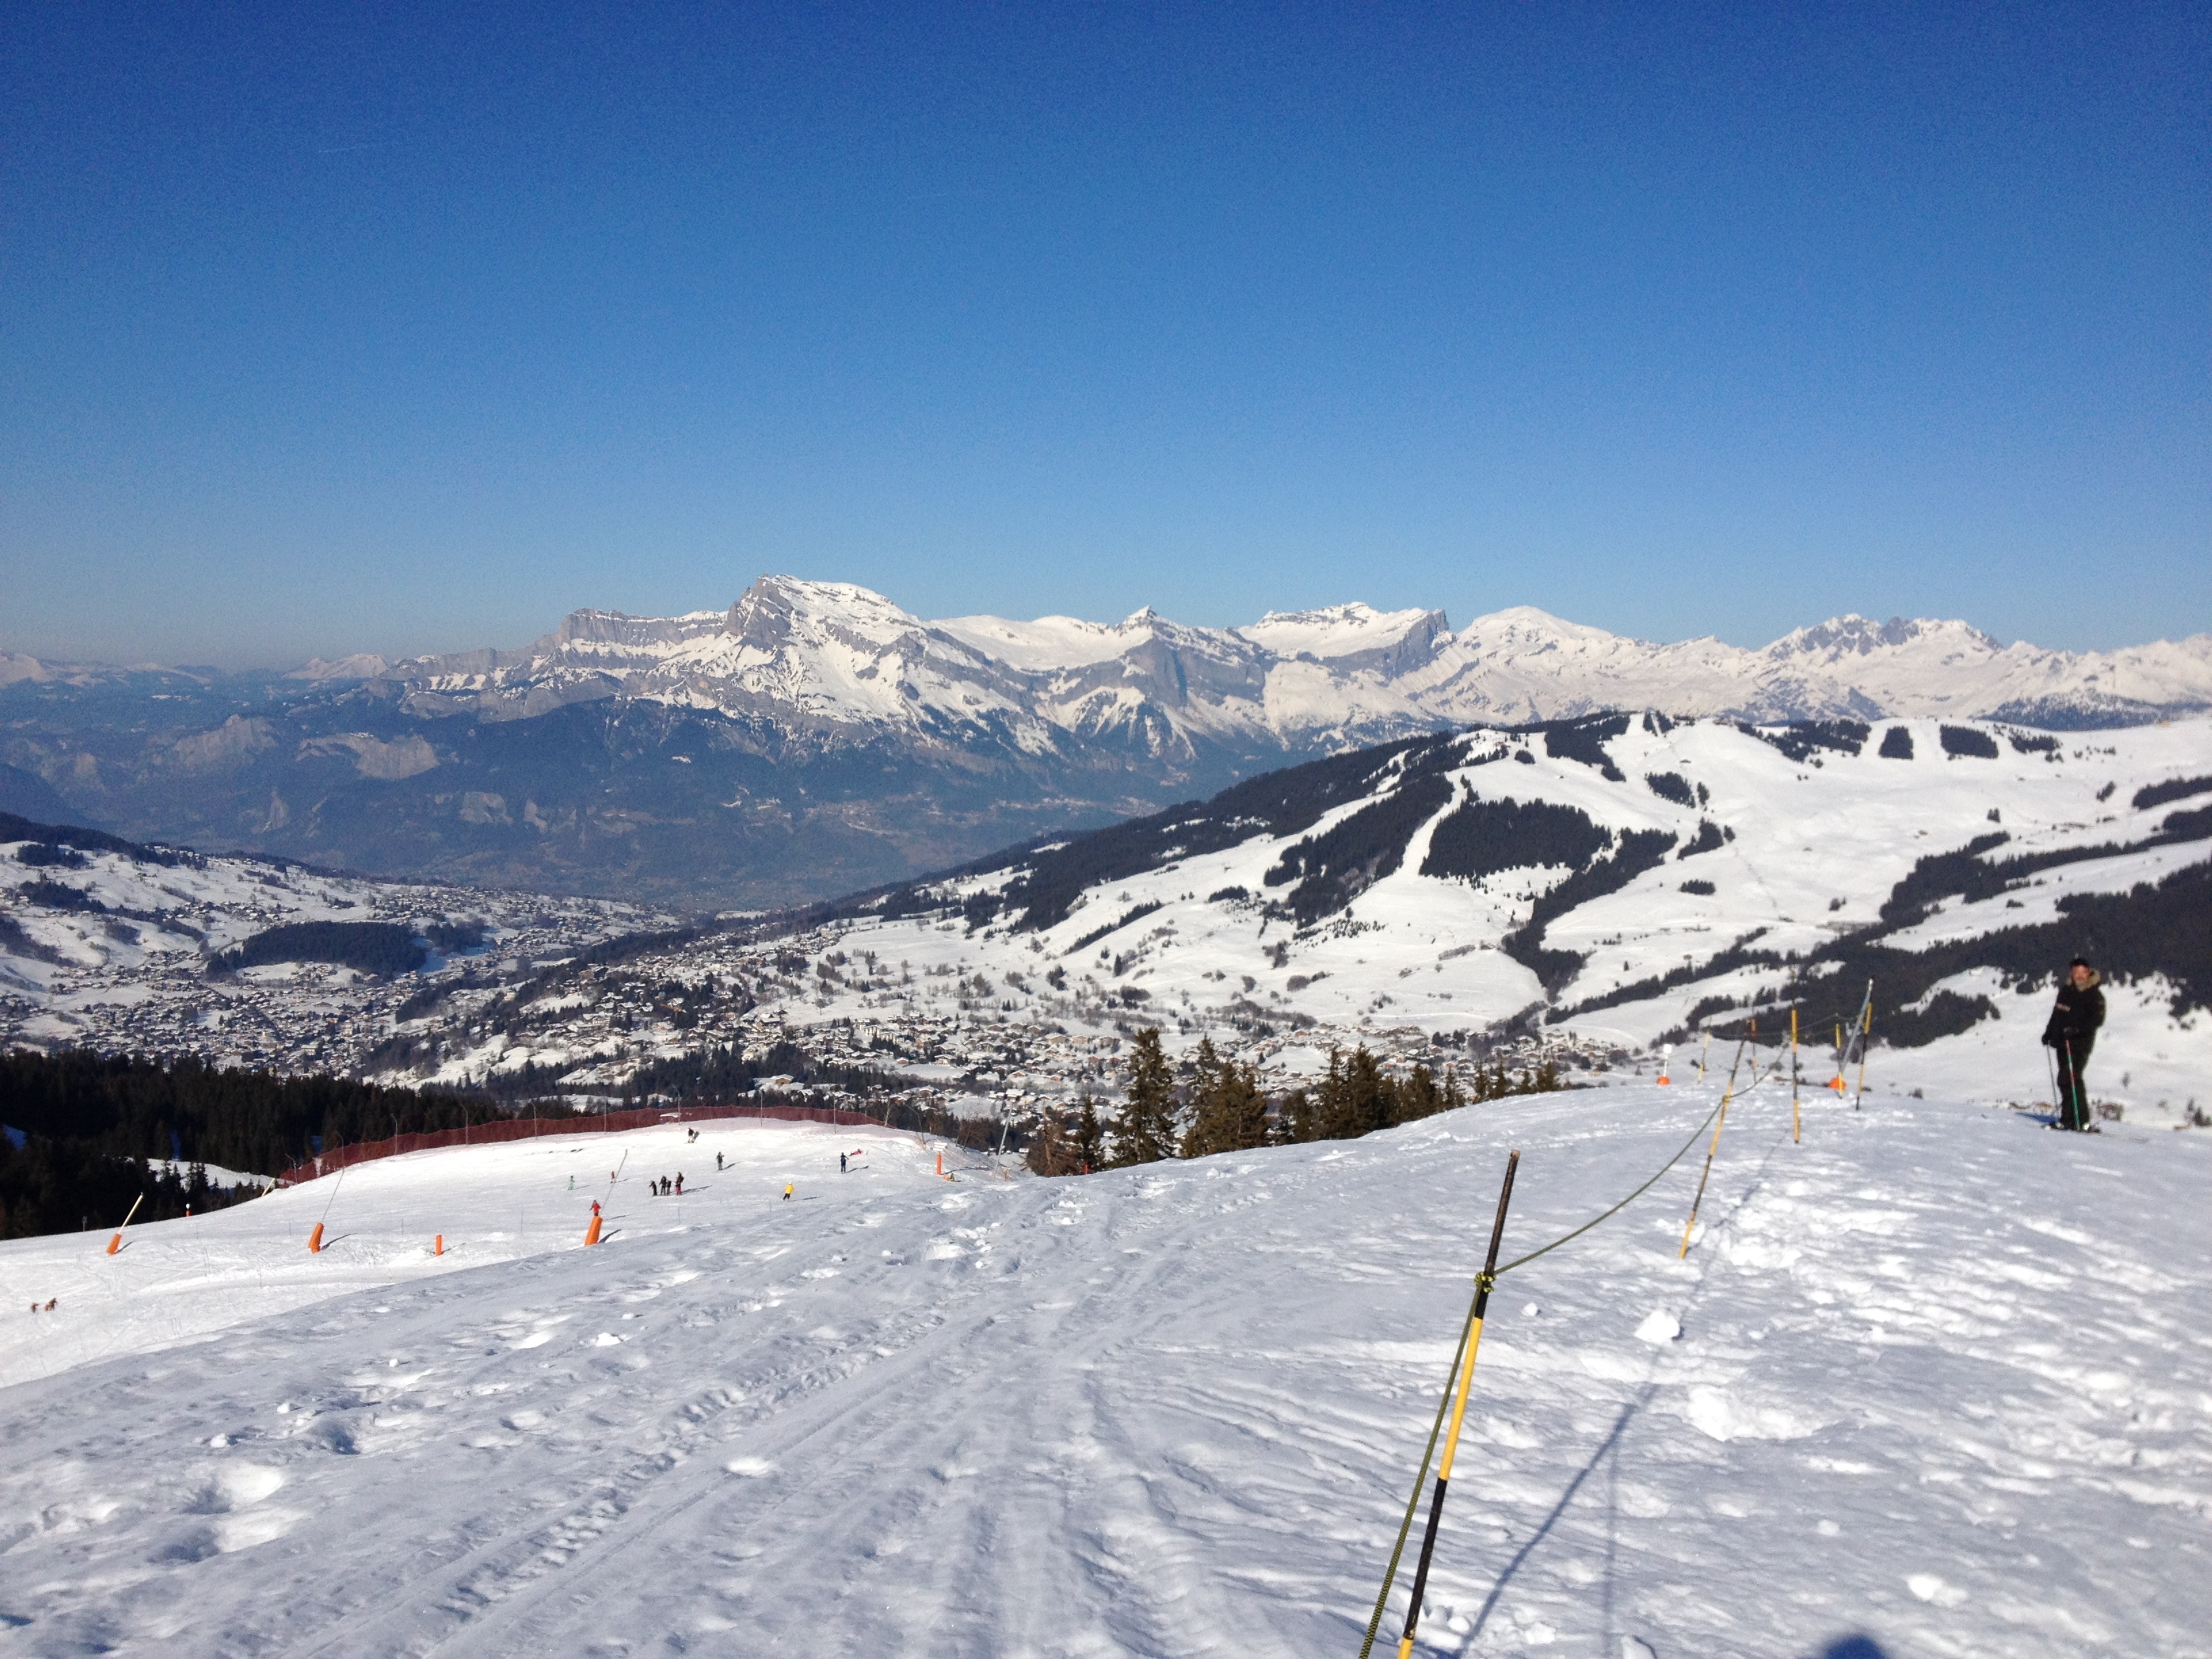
814	738
831	653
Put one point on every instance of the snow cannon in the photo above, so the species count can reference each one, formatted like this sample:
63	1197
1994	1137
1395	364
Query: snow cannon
315	1240
592	1232
115	1244
1665	1054
438	1247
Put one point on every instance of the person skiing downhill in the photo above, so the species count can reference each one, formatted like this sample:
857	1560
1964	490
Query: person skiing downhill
2070	1034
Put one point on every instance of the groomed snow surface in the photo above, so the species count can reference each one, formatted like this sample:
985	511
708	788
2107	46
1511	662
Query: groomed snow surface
1932	1382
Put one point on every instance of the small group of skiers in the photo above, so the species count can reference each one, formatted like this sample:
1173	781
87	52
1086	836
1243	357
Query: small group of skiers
2069	1034
662	1188
52	1303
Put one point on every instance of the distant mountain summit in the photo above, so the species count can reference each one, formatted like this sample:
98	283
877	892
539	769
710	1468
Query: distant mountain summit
827	655
815	738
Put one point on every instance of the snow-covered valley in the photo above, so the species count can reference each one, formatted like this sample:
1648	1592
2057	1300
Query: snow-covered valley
1930	1381
1609	887
1688	875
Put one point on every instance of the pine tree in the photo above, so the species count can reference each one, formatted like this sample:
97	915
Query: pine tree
1295	1119
1089	1136
1144	1132
1417	1097
1230	1115
1357	1099
1049	1152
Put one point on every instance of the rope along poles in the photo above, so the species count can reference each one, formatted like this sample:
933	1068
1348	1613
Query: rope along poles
1483	1282
1458	1381
1727	1095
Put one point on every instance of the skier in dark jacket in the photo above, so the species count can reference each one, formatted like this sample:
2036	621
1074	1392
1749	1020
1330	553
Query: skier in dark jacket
2071	1034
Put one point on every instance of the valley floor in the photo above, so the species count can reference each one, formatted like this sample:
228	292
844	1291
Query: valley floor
1933	1379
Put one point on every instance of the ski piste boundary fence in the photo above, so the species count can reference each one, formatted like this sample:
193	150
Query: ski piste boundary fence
1458	1381
532	1129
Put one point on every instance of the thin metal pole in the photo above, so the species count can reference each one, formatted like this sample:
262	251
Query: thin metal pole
1483	1284
1866	1034
1796	1124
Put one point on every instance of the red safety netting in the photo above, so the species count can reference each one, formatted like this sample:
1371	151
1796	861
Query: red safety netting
529	1128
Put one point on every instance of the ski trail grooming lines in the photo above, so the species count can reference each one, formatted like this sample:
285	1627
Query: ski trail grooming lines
1719	1124
1483	1282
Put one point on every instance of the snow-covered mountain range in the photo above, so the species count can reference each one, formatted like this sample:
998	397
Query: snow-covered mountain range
815	738
827	655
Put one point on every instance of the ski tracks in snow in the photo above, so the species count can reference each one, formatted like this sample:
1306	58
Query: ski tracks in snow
1930	1376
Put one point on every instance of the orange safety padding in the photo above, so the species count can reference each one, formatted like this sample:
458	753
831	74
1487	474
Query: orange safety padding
439	1248
115	1244
315	1240
592	1234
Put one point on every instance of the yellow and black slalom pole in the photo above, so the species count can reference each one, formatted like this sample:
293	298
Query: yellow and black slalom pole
1719	1124
1482	1287
1796	1125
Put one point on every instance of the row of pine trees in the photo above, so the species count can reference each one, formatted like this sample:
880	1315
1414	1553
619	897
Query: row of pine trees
1219	1106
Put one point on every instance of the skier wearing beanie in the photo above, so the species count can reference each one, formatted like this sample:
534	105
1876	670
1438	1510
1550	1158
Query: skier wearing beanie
2070	1034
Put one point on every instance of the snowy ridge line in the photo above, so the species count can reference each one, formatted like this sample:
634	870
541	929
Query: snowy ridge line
532	1129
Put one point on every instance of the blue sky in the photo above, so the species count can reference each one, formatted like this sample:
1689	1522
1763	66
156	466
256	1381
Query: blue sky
401	327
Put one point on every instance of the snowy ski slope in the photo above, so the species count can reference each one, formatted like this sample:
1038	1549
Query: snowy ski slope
1933	1378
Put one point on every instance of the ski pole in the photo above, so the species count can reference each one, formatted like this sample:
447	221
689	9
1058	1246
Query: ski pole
1719	1124
1459	1410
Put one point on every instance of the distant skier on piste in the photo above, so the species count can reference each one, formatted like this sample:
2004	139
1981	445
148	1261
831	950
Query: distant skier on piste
2070	1034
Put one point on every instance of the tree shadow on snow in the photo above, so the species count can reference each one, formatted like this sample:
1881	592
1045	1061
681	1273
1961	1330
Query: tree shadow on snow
1855	1647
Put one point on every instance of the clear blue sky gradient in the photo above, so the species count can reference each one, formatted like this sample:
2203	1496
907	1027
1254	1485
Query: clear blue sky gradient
410	327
